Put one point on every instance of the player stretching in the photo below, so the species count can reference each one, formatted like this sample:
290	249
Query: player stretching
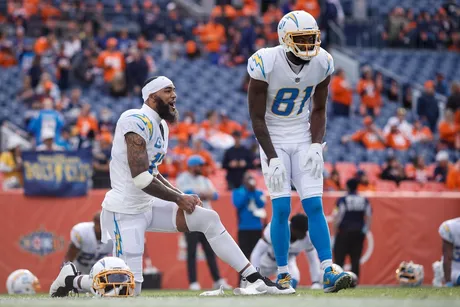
141	199
450	234
283	79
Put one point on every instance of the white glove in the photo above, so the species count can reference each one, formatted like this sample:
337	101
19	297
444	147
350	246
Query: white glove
315	156
275	175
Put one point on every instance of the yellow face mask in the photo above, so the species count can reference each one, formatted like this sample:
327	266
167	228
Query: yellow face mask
119	283
304	44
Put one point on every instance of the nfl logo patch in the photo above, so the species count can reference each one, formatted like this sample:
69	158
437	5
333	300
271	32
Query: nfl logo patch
41	243
297	80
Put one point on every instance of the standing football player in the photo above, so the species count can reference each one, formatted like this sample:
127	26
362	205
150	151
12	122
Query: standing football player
86	248
282	81
141	199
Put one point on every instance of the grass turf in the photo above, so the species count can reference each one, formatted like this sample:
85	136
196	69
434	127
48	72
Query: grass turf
372	297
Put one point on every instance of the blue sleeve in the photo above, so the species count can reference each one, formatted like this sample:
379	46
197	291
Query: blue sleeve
33	125
260	201
215	196
239	198
189	192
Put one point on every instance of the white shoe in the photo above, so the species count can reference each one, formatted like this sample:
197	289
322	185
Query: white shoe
63	284
222	283
263	286
195	286
316	286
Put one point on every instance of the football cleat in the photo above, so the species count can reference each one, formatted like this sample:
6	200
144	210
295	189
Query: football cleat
284	280
63	284
334	281
222	283
263	286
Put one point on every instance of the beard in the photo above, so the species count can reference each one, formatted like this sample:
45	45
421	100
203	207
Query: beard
165	112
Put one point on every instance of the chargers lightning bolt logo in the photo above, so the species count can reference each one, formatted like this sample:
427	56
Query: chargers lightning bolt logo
294	19
258	61
118	240
146	122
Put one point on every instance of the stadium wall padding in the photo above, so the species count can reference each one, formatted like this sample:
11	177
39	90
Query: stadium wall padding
34	235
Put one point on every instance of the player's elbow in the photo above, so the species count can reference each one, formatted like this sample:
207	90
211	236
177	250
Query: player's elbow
142	180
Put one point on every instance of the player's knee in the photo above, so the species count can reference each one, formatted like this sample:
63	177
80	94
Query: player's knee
313	206
281	209
206	221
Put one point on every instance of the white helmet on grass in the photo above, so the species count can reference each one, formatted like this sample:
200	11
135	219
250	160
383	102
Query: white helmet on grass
22	282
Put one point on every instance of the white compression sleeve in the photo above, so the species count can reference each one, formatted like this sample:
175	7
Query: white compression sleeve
314	264
208	222
260	249
83	283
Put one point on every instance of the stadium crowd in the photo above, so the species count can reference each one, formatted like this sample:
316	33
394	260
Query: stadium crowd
64	47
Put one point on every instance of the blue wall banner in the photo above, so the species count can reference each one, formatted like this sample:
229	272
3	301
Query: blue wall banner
63	174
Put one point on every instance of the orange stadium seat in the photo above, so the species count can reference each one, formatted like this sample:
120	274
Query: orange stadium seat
434	187
328	167
372	170
385	186
346	170
410	186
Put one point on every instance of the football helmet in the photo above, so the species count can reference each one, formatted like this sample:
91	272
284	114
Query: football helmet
22	282
299	33
410	274
112	277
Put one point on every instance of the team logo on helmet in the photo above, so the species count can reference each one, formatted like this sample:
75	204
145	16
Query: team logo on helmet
41	243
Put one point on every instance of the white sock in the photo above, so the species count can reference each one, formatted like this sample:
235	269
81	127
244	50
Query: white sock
208	222
138	289
82	283
248	271
283	269
325	264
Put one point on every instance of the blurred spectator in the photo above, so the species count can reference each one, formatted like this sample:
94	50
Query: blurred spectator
397	140
453	102
63	69
236	161
229	126
394	171
69	140
47	88
333	14
249	203
407	99
11	164
288	6
35	71
342	94
427	106
72	108
212	35
370	137
418	171
86	122
369	90
181	152
453	177
46	120
442	166
420	133
106	120
83	67
310	6
137	70
186	127
364	184
448	129
441	85
399	121
395	23
49	144
194	182
118	85
111	60
101	161
209	164
26	58
26	94
393	92
7	57
332	183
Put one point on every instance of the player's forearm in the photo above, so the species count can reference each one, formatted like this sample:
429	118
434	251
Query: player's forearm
318	124
157	189
168	184
263	137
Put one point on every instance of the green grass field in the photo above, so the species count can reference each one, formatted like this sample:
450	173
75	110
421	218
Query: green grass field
372	297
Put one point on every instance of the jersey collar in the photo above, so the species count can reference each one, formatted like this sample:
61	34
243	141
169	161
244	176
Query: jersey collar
151	113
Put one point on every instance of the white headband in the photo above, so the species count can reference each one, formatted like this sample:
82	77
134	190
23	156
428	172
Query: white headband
155	85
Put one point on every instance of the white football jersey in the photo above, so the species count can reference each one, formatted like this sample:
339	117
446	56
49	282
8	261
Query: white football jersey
450	231
288	97
295	248
125	197
83	237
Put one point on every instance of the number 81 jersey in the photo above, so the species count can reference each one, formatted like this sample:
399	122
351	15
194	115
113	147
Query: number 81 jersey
288	94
